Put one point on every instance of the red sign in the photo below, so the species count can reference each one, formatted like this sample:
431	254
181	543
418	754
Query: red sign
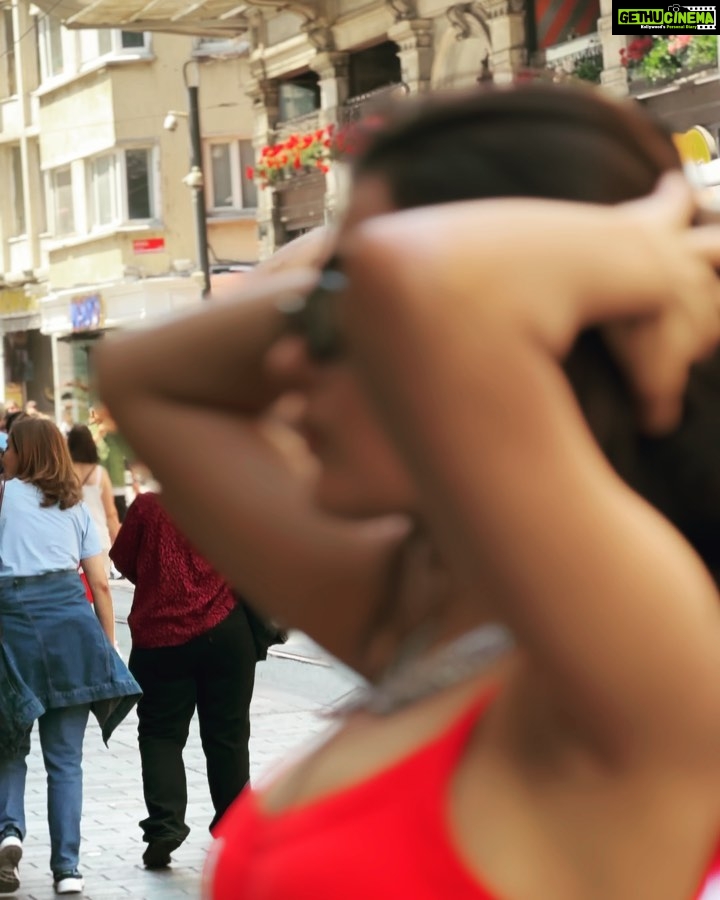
149	245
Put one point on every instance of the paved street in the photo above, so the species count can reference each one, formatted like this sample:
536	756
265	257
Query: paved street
290	698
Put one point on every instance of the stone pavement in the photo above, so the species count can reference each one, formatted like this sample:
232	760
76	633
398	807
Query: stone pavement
291	695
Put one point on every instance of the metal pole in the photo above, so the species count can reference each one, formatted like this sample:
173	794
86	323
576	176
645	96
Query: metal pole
198	187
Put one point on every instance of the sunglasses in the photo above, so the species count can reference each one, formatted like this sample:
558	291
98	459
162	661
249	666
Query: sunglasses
314	317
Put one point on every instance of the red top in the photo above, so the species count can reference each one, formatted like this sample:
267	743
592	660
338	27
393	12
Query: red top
178	595
384	838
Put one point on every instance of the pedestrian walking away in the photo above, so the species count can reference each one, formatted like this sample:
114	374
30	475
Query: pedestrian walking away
57	658
96	487
192	647
499	503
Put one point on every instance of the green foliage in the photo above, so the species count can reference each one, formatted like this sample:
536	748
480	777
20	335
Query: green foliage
589	68
659	59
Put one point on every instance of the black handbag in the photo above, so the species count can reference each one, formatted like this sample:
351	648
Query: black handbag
264	632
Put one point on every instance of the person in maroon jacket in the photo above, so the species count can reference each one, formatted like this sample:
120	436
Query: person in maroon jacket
191	647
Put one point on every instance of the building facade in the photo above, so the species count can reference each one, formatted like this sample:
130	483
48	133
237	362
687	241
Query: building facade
97	228
321	64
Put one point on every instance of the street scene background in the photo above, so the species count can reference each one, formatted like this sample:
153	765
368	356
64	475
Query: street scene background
295	689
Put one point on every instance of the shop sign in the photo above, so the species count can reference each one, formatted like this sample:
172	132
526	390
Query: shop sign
15	301
86	312
149	245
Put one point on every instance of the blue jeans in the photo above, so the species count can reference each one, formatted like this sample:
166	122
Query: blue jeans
61	739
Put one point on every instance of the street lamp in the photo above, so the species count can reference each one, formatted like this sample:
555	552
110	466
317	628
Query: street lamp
195	179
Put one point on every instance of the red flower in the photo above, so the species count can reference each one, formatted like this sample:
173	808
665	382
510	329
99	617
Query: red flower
638	48
297	164
323	167
250	173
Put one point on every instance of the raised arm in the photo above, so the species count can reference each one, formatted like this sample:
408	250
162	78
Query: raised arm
459	319
191	397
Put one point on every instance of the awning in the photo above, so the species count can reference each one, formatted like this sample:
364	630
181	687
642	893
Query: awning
212	18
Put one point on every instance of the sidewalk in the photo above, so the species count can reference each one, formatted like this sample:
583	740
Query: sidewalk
290	699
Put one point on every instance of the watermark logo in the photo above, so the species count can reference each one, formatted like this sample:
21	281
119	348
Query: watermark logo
632	17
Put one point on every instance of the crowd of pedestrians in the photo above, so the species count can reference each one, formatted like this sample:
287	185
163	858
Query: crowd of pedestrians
467	441
193	646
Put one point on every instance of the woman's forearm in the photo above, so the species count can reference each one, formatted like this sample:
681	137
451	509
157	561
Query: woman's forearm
103	604
550	267
212	358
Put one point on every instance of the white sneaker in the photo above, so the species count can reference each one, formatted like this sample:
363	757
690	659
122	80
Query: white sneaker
69	883
11	850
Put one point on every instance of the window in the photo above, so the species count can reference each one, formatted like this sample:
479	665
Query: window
299	96
62	201
9	52
93	44
63	53
51	47
105	41
17	192
120	187
138	176
230	188
101	191
222	176
374	68
132	39
42	210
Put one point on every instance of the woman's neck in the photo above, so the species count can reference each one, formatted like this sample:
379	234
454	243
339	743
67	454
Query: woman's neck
423	608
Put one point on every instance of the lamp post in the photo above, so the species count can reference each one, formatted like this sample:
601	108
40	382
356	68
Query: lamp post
195	178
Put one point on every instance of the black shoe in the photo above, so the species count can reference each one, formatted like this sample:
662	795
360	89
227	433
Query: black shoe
157	854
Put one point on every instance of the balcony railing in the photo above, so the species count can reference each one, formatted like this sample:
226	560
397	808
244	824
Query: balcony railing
297	125
580	58
358	107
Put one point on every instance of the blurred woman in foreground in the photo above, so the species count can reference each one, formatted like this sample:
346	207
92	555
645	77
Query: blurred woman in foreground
456	501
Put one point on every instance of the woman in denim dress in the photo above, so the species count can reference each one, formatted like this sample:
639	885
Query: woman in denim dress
57	654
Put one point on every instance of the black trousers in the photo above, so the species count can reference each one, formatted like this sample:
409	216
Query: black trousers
214	672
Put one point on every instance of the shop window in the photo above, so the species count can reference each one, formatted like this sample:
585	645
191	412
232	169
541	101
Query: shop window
230	189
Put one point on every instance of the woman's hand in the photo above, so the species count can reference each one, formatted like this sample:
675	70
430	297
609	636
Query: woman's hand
656	351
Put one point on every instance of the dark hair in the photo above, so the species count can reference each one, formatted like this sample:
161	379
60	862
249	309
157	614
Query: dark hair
81	445
13	417
568	143
44	460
